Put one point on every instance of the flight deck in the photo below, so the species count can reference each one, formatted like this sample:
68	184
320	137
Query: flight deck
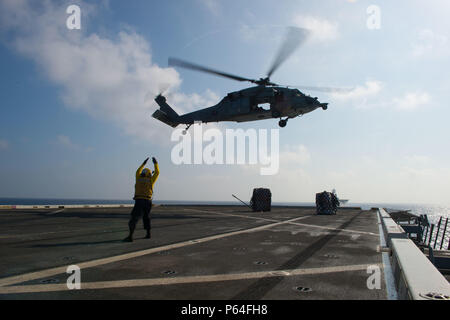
196	252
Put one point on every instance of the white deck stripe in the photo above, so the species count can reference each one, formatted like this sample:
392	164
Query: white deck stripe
182	280
293	223
54	212
239	215
97	262
335	229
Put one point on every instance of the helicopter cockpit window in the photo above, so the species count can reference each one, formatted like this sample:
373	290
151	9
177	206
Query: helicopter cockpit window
279	96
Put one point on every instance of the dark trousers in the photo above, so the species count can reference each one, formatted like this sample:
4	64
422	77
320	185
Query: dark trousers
142	208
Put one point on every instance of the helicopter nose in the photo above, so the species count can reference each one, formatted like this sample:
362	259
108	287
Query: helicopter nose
317	104
311	101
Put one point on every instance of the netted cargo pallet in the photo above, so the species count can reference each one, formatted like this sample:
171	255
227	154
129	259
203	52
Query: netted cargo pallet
261	199
326	203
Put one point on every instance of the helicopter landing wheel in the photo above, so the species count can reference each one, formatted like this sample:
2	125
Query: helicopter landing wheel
185	130
282	123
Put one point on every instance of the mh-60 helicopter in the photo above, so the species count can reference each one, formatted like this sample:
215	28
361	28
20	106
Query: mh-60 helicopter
244	105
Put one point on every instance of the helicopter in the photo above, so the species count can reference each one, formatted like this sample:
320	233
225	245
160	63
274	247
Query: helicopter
248	104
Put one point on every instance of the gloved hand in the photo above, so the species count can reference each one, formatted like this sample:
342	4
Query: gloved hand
154	160
146	161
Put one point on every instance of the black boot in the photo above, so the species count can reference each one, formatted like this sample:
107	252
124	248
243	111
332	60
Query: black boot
130	236
128	239
148	235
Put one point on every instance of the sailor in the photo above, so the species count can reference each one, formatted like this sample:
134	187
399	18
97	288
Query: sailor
143	193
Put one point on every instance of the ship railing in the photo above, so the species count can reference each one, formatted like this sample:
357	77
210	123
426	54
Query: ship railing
437	236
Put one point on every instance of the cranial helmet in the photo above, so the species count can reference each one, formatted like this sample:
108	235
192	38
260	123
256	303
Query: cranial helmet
145	172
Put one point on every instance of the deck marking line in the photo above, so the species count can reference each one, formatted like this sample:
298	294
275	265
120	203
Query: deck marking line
182	280
241	216
335	229
54	212
93	263
233	215
293	223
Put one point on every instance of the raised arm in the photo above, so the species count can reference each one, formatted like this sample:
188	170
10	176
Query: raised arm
139	170
156	173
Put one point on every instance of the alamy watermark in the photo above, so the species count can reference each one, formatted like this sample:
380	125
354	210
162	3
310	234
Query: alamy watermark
236	146
74	19
374	18
74	280
374	280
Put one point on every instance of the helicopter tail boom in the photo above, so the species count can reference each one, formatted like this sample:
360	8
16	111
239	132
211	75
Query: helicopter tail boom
165	113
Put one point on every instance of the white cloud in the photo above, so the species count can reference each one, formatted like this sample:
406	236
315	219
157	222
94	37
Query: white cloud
293	161
423	184
187	103
295	156
112	79
321	29
290	157
360	94
428	42
384	178
211	5
261	32
412	100
248	33
292	182
66	142
417	160
3	144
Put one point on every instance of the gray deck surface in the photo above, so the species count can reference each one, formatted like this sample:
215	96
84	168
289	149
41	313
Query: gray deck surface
254	256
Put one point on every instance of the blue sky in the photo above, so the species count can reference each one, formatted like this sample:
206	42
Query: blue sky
76	104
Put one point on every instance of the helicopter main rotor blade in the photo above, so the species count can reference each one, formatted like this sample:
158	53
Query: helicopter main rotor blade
325	89
188	65
294	38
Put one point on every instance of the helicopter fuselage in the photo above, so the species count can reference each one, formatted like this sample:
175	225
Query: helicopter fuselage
256	103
